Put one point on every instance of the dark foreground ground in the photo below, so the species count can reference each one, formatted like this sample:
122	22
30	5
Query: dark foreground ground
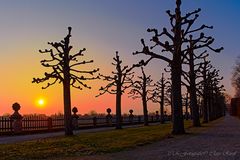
221	142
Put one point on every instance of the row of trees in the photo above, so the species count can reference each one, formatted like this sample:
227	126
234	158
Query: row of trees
183	43
185	51
142	87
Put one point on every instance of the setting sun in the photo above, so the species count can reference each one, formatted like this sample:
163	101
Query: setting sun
40	103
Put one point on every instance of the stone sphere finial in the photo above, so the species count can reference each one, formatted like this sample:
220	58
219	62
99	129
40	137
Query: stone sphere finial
130	111
109	110
74	110
16	107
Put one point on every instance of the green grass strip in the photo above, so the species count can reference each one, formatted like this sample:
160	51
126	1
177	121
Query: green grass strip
86	143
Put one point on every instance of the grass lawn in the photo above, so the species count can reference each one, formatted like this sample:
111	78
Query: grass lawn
87	143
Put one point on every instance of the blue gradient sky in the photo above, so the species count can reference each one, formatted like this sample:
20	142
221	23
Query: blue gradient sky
101	26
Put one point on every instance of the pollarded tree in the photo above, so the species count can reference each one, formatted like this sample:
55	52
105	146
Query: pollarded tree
176	42
175	48
191	57
118	82
141	89
64	66
204	70
159	95
192	83
213	82
211	92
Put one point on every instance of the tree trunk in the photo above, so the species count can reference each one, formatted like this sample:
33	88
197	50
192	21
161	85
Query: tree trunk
67	107
214	108
186	107
193	95
194	106
145	111
144	100
118	107
162	102
162	120
176	67
178	125
205	110
67	93
211	100
205	96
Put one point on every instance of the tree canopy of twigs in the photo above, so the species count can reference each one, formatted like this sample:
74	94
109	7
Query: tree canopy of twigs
141	88
176	40
65	69
118	82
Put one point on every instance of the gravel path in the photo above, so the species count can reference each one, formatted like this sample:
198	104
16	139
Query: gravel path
221	142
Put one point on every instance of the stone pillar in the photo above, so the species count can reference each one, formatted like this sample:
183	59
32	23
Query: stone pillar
139	119
75	118
49	120
109	117
166	117
131	116
94	122
16	118
157	116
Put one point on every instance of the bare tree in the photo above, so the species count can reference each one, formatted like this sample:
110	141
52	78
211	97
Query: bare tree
214	92
118	82
159	95
204	69
141	89
175	48
211	92
64	70
181	28
236	77
191	57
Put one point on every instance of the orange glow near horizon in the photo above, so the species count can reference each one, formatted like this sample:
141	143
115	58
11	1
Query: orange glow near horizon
102	30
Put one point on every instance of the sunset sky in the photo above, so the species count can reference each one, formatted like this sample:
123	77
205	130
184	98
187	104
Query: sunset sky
102	27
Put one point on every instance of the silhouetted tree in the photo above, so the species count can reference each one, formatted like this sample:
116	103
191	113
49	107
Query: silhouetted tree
140	89
236	77
159	95
186	100
191	57
176	21
168	92
211	92
176	42
64	70
214	93
118	82
204	69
